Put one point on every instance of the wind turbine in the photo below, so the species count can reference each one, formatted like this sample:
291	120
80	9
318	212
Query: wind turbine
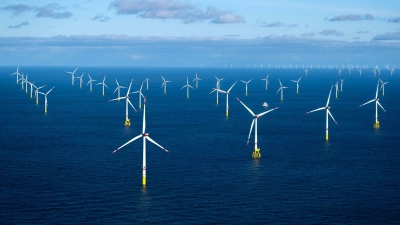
145	136
297	84
341	84
45	99
90	81
327	107
266	81
376	125
140	94
164	84
281	89
256	152
37	93
340	72
217	86
103	83
16	73
196	79
26	83
246	84
127	120
118	88
306	71
383	86
22	81
187	87
72	73
360	70
31	83
80	80
337	89
227	95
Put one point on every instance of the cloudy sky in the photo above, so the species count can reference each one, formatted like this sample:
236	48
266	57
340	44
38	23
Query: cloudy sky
194	32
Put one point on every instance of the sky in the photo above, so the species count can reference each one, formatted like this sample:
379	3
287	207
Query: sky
210	33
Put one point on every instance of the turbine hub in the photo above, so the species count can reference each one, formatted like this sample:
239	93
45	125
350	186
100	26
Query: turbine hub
145	134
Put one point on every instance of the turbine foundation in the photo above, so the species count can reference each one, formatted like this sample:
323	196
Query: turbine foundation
256	153
127	122
377	125
144	180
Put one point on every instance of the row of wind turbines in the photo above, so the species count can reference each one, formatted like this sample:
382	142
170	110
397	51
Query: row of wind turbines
256	151
24	82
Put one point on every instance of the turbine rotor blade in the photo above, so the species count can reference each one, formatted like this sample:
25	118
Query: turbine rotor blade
329	112
261	114
152	141
367	102
130	141
316	110
251	129
251	112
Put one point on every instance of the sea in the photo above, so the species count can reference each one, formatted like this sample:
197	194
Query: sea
57	167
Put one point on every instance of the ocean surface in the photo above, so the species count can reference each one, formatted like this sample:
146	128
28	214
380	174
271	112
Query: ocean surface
57	167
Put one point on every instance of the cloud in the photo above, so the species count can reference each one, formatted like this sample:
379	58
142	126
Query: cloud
101	18
352	17
50	10
135	57
293	25
171	9
362	32
394	20
272	24
26	23
356	38
387	36
308	34
17	9
331	32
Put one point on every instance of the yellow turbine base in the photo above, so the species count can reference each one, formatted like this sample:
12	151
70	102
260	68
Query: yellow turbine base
127	122
37	102
326	137
45	110
144	180
377	125
226	114
256	153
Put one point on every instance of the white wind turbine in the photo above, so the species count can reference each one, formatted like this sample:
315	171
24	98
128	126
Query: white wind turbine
140	94
327	107
118	88
266	81
164	84
16	73
383	86
281	89
45	99
376	100
26	83
196	79
246	84
297	84
339	72
80	80
73	76
90	81
103	83
256	151
22	81
127	120
145	136
337	89
31	83
341	84
187	87
37	93
227	95
306	71
217	86
360	70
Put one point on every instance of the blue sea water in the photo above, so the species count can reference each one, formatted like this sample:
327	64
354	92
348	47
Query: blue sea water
57	167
